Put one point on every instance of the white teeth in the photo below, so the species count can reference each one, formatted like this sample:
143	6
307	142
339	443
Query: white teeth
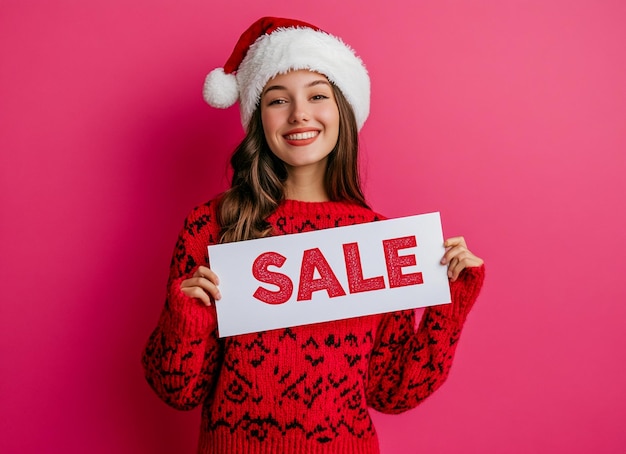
302	135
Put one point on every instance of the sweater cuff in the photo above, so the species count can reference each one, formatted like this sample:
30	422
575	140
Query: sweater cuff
185	315
463	292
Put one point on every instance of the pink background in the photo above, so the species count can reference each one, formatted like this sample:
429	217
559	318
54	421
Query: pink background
509	117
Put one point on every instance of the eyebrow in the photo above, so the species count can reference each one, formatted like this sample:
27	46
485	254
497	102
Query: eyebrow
281	87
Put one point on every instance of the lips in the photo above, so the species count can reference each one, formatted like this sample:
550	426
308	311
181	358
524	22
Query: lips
301	137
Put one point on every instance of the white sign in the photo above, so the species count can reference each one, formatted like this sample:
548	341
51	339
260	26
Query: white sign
330	274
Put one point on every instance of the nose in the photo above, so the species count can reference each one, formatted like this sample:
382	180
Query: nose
299	112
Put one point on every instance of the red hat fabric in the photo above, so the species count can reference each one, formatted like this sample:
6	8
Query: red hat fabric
272	46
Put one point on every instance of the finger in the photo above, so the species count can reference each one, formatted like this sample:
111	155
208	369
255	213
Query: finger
198	293
455	251
466	257
454	241
451	265
452	245
455	268
464	260
204	284
208	273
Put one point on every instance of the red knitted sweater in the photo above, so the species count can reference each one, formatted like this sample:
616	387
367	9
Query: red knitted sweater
305	389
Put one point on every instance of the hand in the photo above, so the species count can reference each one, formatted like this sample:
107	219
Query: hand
458	257
202	285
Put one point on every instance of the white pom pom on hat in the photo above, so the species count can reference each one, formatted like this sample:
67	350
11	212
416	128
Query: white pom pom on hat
220	89
274	45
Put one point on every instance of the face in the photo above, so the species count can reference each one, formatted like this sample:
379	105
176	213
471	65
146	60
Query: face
300	119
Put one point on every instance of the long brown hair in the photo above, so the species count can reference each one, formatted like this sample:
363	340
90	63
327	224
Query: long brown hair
257	186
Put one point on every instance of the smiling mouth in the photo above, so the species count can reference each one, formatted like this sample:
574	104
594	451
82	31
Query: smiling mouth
302	135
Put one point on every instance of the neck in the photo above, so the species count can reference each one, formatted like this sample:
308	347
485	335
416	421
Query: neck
306	184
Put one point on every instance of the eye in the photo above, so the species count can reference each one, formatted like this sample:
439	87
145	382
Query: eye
274	102
319	97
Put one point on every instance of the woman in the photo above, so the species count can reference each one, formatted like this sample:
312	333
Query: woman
303	95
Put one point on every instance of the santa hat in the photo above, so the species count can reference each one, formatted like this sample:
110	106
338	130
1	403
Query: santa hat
274	46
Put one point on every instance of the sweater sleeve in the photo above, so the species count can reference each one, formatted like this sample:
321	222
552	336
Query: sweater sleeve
182	356
408	365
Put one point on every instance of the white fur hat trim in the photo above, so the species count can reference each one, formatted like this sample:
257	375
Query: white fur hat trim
288	49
